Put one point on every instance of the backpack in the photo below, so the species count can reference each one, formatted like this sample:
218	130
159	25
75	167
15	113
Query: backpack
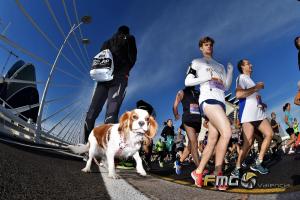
102	66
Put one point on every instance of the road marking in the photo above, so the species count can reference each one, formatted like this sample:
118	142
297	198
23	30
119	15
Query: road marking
119	189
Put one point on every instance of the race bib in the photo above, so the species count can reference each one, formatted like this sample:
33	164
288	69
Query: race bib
194	109
216	84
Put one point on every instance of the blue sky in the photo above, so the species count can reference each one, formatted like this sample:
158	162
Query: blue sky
167	35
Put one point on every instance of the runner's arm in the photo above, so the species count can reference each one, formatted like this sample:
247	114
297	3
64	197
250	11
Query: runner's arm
178	99
228	76
276	125
191	80
243	93
297	99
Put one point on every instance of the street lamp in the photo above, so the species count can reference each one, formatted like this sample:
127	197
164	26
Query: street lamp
84	20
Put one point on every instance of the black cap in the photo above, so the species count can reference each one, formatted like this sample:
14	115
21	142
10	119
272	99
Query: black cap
123	29
141	104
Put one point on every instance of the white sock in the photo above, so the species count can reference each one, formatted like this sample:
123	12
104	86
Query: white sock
258	161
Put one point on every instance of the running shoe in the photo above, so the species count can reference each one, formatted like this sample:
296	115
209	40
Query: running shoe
161	164
178	167
205	172
244	164
221	187
259	168
197	178
291	151
283	148
235	172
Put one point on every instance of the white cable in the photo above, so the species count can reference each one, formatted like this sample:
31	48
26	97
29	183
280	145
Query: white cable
45	36
70	23
63	34
32	55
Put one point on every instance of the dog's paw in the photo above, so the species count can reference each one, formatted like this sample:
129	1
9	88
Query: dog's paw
86	170
114	176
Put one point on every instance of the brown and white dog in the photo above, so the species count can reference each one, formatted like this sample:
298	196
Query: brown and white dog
124	139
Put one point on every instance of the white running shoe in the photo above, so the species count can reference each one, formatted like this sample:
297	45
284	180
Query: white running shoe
291	151
283	148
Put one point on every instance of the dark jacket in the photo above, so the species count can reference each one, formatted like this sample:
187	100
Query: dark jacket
124	53
167	130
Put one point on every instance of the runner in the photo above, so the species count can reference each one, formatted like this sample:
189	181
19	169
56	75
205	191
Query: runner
275	127
288	119
160	147
168	135
213	81
191	120
252	117
297	97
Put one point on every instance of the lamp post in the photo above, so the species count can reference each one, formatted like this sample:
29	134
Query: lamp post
84	20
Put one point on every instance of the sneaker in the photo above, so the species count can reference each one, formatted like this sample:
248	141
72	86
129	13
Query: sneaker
125	165
236	172
283	148
244	164
161	164
291	151
197	178
178	167
205	172
221	187
259	168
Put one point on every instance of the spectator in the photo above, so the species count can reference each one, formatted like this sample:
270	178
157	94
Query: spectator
123	48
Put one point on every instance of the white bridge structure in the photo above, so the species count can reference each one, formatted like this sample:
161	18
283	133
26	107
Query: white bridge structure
63	85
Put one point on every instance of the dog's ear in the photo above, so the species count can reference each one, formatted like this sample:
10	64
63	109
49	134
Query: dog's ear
124	121
152	128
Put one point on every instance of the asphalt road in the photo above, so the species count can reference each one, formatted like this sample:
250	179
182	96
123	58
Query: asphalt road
32	174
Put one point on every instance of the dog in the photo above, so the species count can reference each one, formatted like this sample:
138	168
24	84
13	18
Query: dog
124	139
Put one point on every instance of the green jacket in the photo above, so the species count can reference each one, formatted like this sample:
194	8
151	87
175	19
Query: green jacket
160	146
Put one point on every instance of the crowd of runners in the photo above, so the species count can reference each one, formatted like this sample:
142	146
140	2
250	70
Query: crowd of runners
214	142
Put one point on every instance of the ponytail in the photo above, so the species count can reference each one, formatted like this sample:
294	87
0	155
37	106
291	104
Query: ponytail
285	106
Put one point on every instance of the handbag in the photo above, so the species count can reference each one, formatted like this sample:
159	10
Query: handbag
102	66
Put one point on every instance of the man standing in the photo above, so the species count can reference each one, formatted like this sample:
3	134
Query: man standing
252	116
123	48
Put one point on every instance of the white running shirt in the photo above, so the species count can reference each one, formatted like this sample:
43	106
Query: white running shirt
205	70
248	107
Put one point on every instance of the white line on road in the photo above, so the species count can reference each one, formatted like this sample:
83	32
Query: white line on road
119	189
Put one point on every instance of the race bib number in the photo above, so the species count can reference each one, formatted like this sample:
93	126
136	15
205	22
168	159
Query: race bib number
194	109
216	84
